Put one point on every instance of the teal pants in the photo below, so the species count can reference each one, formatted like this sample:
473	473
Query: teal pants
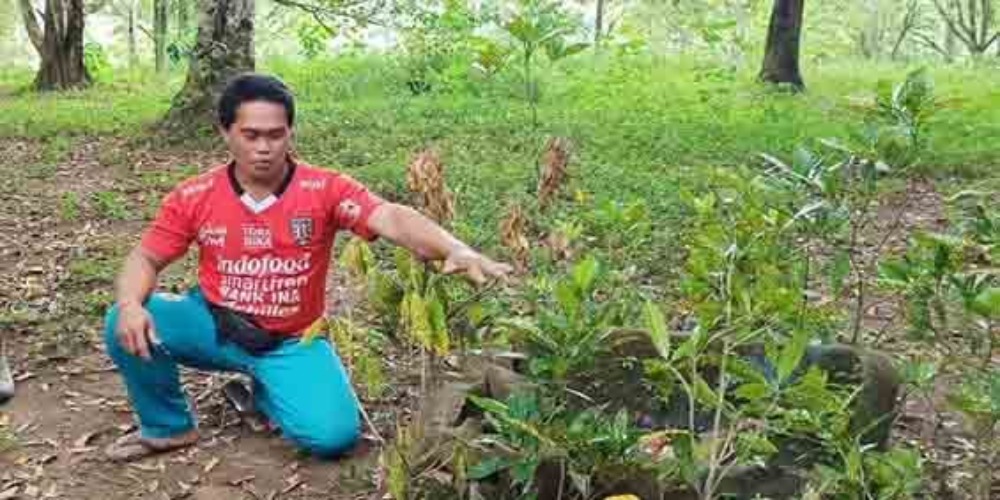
300	386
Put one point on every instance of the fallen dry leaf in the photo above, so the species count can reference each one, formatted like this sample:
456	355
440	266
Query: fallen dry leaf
211	465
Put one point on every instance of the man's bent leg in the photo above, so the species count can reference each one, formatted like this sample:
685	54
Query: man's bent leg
186	331
304	388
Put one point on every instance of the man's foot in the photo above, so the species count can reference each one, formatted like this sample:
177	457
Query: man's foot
134	447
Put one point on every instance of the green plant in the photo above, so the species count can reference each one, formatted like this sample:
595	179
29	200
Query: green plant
568	450
952	293
568	323
96	61
69	207
840	189
439	45
540	25
110	205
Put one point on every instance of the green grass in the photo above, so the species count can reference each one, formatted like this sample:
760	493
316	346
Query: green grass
636	122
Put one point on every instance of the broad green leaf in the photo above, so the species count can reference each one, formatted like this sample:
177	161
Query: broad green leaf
476	313
745	371
657	327
404	263
490	405
703	393
489	467
523	30
893	272
683	445
529	331
383	292
584	273
753	391
690	346
357	257
792	354
568	298
438	326
987	303
753	444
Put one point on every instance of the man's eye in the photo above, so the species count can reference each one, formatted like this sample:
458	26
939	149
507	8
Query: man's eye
250	136
277	135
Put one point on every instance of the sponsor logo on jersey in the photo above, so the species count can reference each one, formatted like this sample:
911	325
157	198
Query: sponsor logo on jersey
211	236
313	184
264	266
257	237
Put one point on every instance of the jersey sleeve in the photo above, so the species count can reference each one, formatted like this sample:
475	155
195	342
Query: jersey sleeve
353	204
171	233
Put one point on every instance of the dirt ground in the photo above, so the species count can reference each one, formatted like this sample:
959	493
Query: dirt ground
65	222
60	245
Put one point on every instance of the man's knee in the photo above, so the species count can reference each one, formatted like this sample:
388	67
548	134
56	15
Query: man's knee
333	438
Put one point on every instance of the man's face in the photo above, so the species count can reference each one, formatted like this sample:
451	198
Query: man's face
259	139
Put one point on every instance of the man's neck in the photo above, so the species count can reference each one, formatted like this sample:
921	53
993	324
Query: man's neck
258	189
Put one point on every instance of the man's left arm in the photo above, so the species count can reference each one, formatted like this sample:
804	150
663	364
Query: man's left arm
410	229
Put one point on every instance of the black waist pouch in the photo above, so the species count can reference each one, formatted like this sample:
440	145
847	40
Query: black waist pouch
242	330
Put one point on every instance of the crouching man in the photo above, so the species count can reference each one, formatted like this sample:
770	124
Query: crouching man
264	225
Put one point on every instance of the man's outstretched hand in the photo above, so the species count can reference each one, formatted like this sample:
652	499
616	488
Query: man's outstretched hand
475	266
135	330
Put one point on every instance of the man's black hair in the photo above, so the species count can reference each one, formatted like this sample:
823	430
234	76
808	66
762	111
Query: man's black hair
249	87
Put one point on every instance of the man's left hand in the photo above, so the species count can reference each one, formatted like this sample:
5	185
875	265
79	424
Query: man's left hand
475	266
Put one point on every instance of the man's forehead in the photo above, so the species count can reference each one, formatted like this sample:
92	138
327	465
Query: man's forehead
261	115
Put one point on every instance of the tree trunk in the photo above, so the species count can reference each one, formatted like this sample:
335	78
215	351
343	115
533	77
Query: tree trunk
133	54
781	55
160	9
62	47
31	24
599	22
183	8
223	49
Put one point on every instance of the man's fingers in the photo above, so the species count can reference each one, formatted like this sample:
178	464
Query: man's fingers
500	270
475	273
449	267
125	339
154	339
141	346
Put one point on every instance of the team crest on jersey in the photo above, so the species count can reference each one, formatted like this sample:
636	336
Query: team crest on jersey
302	230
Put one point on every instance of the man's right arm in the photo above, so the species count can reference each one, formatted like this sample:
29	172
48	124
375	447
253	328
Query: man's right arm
165	241
135	330
138	277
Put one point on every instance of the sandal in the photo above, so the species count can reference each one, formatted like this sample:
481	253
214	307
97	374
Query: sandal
132	446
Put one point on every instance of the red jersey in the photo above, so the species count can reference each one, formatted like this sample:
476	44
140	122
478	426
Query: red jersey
268	260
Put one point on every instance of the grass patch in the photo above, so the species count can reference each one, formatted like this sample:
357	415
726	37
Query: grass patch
637	122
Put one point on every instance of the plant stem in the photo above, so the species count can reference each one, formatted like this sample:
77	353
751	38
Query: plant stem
805	286
715	455
859	281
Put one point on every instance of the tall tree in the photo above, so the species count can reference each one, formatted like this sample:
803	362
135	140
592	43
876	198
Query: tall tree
781	55
224	48
183	9
598	21
160	16
133	53
973	22
59	42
